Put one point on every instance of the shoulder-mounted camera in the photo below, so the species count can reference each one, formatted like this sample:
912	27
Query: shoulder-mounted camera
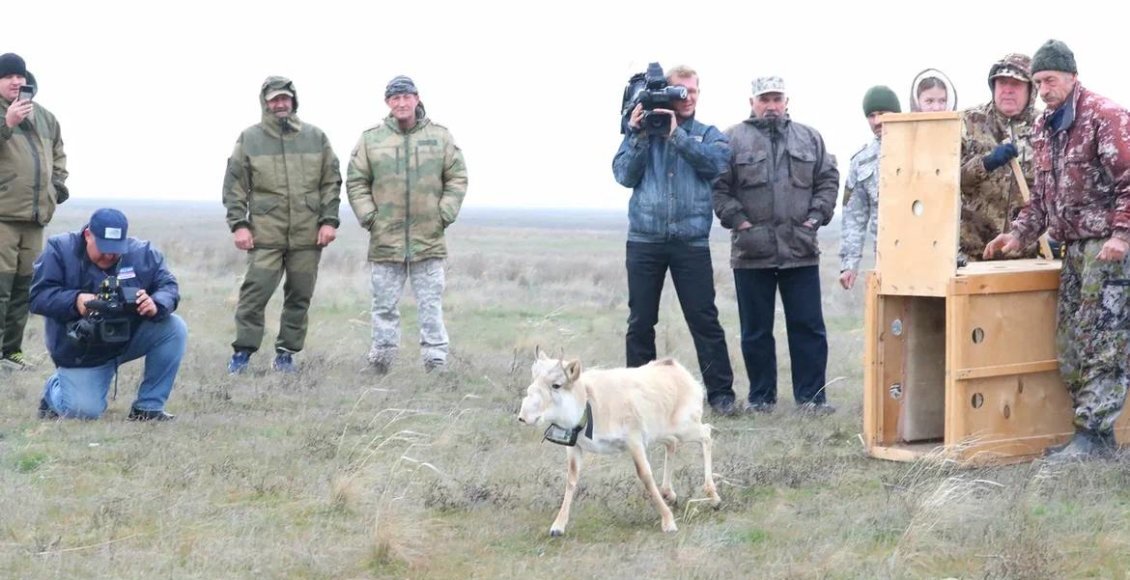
651	90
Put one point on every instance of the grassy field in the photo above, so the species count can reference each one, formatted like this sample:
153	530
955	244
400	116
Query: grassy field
336	473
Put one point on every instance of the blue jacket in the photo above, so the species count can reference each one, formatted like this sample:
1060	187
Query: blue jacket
64	270
671	182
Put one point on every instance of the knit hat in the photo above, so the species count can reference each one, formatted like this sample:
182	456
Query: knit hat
12	64
1054	55
880	98
400	85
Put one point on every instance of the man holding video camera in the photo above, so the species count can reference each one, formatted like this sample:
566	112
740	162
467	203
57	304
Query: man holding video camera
33	169
107	299
669	159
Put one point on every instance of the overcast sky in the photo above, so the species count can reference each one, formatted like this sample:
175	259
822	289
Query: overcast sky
152	95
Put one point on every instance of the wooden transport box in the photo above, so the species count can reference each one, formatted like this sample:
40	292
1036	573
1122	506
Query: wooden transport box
960	359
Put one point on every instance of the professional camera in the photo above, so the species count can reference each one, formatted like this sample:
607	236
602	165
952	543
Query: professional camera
652	91
108	317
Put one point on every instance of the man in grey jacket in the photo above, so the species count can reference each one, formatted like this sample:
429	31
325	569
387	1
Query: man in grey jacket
778	188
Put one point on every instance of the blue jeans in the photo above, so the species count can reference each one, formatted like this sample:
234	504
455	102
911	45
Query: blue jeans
80	392
804	322
693	276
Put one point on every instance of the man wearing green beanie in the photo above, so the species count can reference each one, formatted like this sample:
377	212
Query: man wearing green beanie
992	135
1081	196
861	188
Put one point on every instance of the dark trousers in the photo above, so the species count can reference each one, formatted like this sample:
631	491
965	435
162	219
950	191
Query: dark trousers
693	275
804	321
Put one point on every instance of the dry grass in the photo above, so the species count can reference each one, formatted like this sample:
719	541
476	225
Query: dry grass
340	474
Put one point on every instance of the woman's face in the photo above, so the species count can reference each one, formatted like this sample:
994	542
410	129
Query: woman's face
932	100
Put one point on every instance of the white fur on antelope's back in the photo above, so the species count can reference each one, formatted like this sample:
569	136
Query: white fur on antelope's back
660	402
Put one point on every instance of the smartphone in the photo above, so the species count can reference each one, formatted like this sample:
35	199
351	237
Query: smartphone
26	92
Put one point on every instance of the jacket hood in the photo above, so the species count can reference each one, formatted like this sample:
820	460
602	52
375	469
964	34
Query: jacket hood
1017	66
940	77
276	83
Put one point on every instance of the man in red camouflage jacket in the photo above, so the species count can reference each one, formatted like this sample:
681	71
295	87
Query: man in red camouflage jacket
1082	197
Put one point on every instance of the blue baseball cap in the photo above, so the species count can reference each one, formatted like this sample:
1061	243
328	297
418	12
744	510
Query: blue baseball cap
109	227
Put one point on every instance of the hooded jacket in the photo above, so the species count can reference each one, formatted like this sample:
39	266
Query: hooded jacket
283	180
991	200
33	167
951	91
406	187
780	175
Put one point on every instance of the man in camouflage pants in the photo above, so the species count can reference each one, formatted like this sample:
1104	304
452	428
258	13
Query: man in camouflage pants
861	188
406	181
992	135
1082	197
282	192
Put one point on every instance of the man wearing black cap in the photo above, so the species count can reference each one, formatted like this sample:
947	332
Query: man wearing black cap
107	299
1081	196
32	174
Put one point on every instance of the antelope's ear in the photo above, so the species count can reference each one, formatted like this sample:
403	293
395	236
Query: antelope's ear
573	370
539	353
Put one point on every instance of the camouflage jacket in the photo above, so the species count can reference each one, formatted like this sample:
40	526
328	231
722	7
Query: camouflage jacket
283	179
861	205
1082	172
780	176
33	167
989	201
406	188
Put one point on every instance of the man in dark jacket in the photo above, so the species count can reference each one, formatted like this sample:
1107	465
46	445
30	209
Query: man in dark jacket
107	299
670	171
779	186
1081	148
281	191
33	169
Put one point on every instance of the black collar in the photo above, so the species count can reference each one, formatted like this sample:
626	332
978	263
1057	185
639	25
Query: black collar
568	437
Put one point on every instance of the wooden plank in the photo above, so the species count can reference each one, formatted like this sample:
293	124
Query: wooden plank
1045	249
991	330
919	175
1022	408
957	307
872	369
1006	276
892	360
1039	366
905	452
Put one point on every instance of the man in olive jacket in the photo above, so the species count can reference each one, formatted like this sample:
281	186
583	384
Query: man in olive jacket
33	169
282	192
779	187
406	182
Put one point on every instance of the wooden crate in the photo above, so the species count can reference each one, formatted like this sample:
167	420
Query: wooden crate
959	362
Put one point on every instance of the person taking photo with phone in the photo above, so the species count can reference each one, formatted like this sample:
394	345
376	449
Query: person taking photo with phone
33	171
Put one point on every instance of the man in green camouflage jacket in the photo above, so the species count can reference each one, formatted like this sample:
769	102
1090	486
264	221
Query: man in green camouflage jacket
282	192
33	169
406	181
992	135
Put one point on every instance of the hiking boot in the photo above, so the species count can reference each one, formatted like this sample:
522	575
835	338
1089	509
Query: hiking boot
239	362
284	363
45	410
815	409
136	414
724	408
435	364
763	408
1085	444
15	361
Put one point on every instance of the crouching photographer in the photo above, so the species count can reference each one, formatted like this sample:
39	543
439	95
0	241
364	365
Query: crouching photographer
107	299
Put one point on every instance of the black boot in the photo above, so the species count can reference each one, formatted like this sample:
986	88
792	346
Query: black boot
136	414
1085	444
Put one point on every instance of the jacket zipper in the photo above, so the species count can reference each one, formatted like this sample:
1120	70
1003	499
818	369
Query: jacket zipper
38	183
407	202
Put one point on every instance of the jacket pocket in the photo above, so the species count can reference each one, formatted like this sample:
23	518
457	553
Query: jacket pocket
804	244
751	168
754	243
264	204
313	202
802	164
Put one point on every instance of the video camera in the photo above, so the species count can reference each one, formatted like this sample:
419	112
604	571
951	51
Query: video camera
108	316
652	91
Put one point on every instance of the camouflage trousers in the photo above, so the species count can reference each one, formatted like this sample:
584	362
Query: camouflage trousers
20	244
388	280
1093	334
265	268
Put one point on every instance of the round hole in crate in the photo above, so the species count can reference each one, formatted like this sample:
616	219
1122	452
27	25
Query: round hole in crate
896	327
938	172
917	207
978	335
978	400
1007	412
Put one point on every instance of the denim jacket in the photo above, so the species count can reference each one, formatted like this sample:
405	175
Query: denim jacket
671	182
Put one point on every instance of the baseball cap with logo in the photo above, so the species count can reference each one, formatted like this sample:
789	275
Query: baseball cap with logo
763	85
276	92
109	227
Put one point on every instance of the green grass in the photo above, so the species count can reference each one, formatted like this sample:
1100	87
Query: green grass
336	473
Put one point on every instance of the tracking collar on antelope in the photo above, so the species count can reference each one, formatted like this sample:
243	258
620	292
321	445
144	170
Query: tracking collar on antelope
555	397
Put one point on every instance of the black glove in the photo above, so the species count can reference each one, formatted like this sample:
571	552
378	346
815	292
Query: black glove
1000	156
